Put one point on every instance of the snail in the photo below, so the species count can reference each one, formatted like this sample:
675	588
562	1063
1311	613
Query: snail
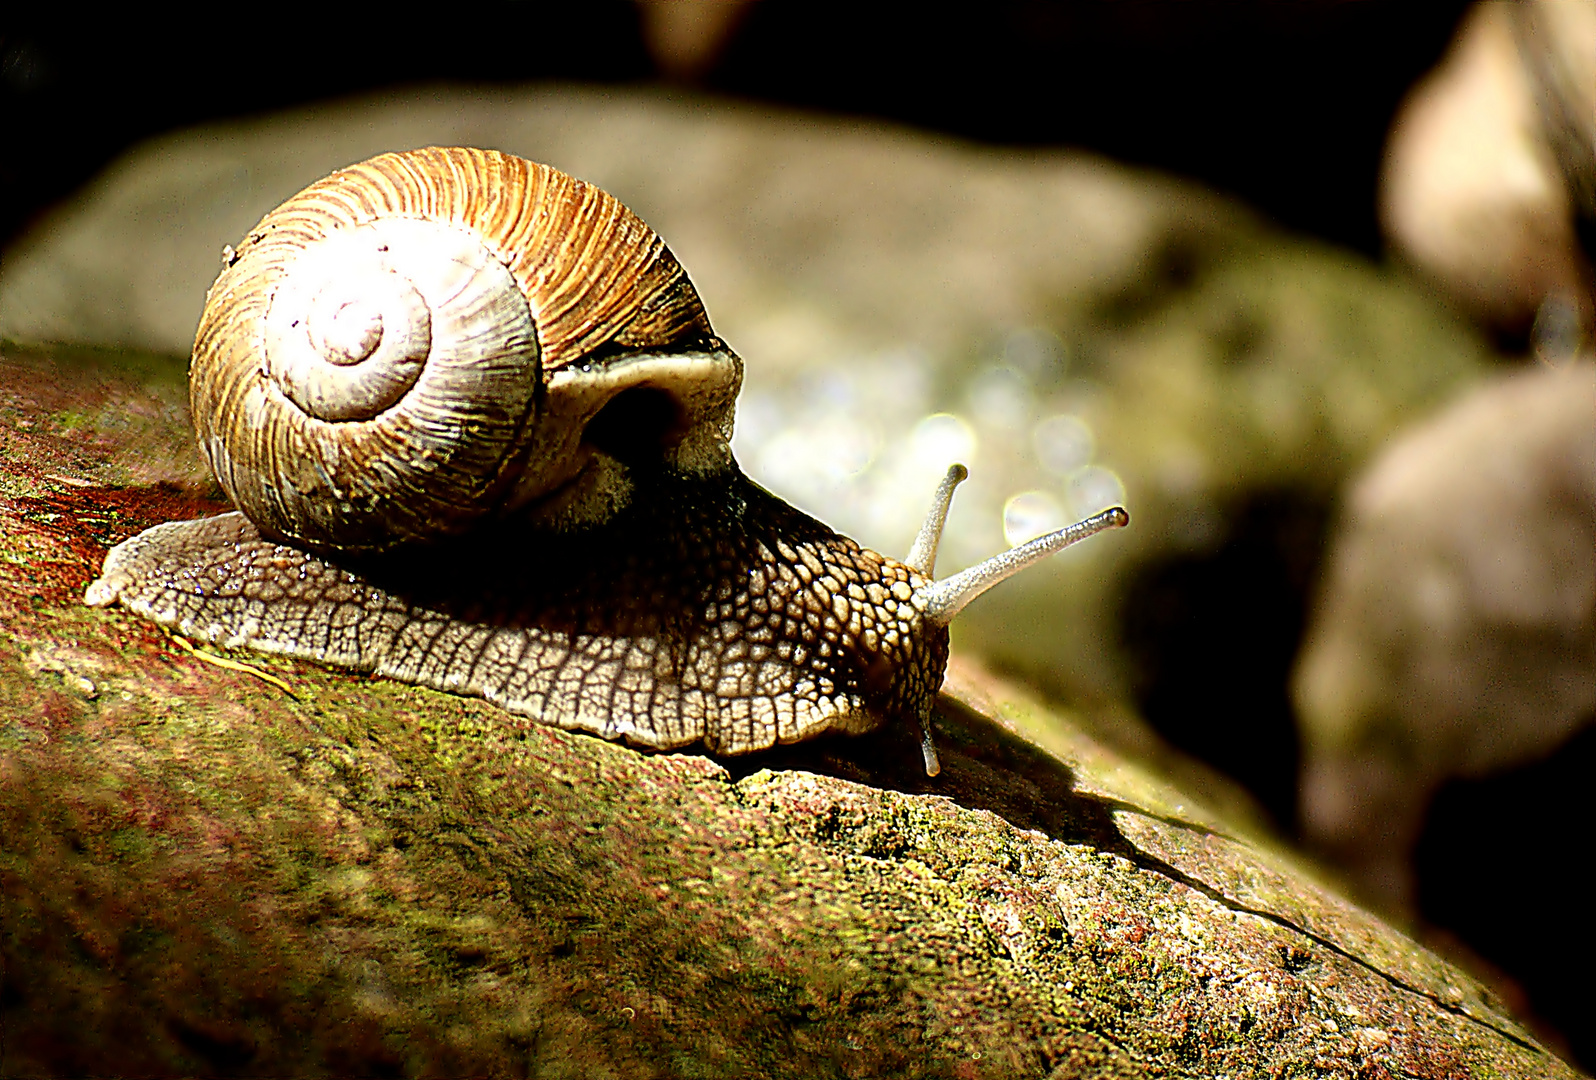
476	425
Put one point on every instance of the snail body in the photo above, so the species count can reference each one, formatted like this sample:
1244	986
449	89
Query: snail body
477	425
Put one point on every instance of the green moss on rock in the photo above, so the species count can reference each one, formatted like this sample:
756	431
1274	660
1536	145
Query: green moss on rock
202	874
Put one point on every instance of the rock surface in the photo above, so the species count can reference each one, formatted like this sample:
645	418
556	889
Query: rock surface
1457	631
1491	163
203	872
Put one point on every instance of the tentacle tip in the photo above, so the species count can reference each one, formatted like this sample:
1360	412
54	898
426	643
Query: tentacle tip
1118	518
958	472
928	749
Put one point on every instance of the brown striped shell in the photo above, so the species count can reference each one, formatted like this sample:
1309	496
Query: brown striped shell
431	338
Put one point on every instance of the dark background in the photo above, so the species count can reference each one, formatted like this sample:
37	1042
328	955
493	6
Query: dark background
1282	104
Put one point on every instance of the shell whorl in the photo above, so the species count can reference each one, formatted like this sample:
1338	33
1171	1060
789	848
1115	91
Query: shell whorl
422	340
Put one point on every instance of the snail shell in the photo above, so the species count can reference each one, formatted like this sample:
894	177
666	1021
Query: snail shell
478	426
422	340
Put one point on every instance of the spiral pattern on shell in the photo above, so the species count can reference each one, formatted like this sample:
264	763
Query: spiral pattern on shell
423	339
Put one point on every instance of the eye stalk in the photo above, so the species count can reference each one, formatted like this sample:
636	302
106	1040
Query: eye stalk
922	557
940	601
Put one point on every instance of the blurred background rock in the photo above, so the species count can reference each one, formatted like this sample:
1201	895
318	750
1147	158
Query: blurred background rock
1228	351
1489	183
1454	635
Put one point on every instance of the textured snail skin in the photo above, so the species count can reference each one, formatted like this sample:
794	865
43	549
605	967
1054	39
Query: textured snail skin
708	610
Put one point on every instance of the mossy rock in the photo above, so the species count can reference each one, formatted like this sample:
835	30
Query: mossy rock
202	872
